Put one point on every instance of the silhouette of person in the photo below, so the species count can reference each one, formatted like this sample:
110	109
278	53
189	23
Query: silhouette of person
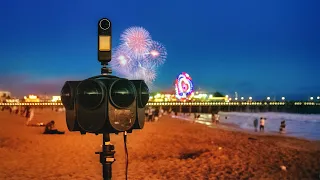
282	126
49	129
262	123
255	123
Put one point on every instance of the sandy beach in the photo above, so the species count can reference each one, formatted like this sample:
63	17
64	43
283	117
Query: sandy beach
168	149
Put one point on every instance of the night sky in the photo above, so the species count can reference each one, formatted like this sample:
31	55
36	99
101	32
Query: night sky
257	48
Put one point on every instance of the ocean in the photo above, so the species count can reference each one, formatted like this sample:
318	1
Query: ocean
305	126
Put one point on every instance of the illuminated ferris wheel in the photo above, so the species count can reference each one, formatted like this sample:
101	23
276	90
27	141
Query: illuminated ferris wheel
183	86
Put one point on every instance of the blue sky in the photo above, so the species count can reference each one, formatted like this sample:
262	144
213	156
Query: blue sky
257	48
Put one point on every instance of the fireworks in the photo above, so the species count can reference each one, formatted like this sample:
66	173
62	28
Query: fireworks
157	53
121	60
138	40
138	56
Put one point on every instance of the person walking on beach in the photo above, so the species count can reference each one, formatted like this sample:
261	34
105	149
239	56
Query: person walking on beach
17	110
160	112
156	114
262	123
14	109
213	117
30	115
150	114
27	113
146	113
217	118
255	124
282	127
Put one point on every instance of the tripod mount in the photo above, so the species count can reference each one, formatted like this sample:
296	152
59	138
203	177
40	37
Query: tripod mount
105	70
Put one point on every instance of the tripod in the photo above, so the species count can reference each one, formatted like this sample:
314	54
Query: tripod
106	157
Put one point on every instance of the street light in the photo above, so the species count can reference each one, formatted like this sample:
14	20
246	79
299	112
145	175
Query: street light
318	97
236	99
250	98
311	98
268	98
283	98
242	98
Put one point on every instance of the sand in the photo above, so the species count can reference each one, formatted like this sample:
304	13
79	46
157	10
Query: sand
168	149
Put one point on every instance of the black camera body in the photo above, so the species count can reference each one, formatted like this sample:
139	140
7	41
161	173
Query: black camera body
105	104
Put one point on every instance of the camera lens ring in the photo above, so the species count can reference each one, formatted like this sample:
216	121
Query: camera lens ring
131	90
93	86
101	25
143	98
67	100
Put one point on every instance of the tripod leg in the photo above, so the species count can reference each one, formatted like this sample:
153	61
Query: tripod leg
107	171
107	157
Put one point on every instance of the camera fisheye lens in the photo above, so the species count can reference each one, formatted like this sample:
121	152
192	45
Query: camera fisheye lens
122	93
90	94
104	24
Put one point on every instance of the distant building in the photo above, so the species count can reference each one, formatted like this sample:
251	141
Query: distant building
12	100
31	98
4	95
44	98
56	99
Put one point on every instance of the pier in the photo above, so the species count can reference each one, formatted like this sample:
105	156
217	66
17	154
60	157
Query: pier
208	107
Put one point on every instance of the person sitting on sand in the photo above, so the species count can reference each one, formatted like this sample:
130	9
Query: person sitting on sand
49	129
262	123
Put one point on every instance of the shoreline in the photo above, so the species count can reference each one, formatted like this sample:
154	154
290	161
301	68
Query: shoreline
235	127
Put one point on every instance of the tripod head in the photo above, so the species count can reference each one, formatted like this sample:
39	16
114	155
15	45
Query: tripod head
105	69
